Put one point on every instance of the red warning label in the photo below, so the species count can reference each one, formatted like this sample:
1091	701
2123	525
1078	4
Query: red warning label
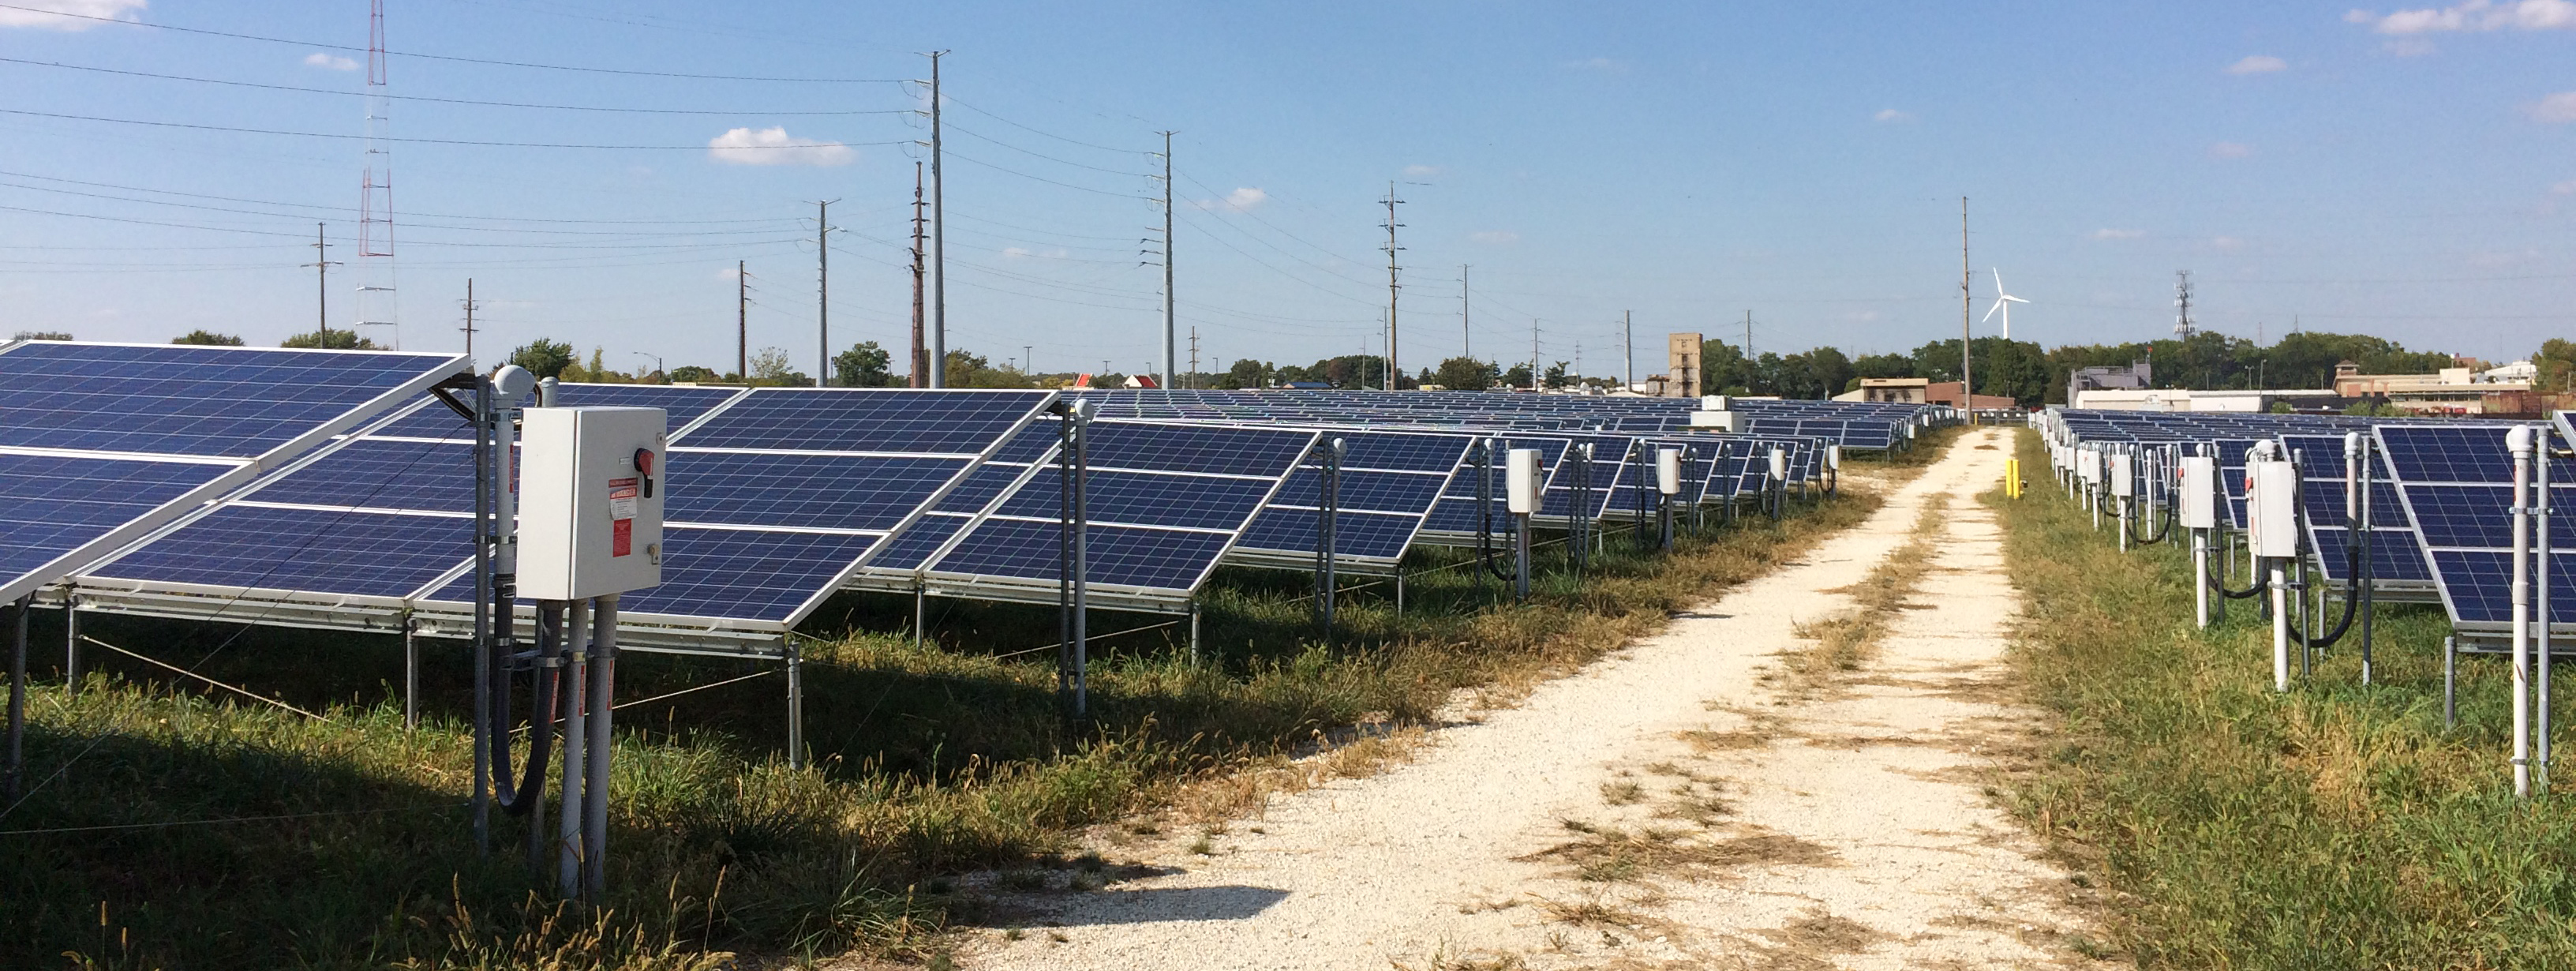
621	516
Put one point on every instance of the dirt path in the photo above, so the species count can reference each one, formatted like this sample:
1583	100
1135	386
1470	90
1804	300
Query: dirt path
1689	802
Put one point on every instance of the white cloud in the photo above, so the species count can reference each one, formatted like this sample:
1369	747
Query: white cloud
773	146
1497	237
1025	253
332	61
1239	200
2118	233
2258	64
2557	109
1601	64
2473	15
1891	116
1421	171
44	14
2230	150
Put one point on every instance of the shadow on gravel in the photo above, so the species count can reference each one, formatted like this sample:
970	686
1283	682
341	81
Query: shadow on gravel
1155	905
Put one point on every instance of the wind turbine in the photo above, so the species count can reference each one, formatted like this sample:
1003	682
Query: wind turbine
2003	302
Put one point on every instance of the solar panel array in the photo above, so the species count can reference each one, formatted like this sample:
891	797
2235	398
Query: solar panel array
776	495
1388	482
2396	550
101	443
2456	482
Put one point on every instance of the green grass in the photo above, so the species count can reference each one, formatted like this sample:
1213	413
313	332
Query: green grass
2337	826
926	761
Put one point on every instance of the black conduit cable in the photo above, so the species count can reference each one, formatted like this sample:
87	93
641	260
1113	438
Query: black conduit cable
2254	586
517	800
2351	595
2161	532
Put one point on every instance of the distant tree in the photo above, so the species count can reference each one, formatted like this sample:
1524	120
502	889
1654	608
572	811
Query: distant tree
1882	366
331	340
2283	408
597	371
772	368
1554	376
693	374
2373	409
42	335
2557	364
1518	376
864	365
207	337
1246	373
1466	374
543	358
967	370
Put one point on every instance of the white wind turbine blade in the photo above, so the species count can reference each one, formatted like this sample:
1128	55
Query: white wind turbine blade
2014	298
1990	312
1999	280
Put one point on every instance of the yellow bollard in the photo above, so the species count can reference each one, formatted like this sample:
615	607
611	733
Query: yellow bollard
2012	478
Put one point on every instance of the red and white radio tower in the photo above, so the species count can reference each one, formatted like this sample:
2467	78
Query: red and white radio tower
376	295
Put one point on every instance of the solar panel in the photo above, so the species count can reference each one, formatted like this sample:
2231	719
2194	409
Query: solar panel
1457	517
1166	501
756	537
891	421
1388	484
102	443
2397	551
2456	483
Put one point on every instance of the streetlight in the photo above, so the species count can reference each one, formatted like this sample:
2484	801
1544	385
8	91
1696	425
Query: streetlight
657	364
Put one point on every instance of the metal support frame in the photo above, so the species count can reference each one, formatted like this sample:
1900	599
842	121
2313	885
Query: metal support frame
411	673
795	702
1580	530
1073	555
1194	632
13	779
1328	501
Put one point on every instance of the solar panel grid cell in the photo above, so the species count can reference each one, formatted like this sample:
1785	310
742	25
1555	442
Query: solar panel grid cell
185	400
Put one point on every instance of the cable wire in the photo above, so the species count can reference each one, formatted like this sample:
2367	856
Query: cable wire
427	98
444	141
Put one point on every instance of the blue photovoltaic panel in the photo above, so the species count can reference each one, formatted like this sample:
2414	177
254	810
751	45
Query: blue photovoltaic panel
379	474
1121	556
1374	491
867	420
1369	535
683	406
911	548
981	487
1204	449
1457	511
804	491
1143	499
1402	452
367	554
2478	585
188	400
745	574
51	505
2395	554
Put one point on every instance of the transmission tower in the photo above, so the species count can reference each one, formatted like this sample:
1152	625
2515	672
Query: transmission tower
2182	305
1392	368
377	306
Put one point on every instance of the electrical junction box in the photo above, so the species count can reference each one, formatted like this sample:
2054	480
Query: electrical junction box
2088	463
1668	471
2199	492
1834	457
2124	480
1520	481
1779	464
1720	419
1715	402
2271	507
590	501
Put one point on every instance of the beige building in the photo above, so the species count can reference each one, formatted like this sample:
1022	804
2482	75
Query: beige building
1683	378
1911	391
2449	391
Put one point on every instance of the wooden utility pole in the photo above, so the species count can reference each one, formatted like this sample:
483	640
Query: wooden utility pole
920	351
1967	340
741	323
322	264
1393	368
823	290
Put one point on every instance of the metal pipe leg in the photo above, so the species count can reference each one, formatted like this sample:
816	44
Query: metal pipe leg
71	643
411	674
795	707
603	708
15	773
576	687
1399	593
920	614
2450	683
1194	633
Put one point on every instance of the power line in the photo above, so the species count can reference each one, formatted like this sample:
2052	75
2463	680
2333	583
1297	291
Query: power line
433	215
452	101
439	141
1070	141
1036	178
952	126
453	58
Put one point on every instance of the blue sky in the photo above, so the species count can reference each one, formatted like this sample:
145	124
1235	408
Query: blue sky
2400	171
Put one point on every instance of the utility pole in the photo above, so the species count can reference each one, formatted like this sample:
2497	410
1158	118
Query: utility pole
1194	358
2182	306
1029	353
1466	331
1170	362
1628	350
920	358
938	241
823	289
1748	335
469	316
322	279
741	323
1392	368
1967	355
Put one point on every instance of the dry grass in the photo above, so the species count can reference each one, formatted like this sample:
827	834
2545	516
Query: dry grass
1609	854
1809	942
1845	642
